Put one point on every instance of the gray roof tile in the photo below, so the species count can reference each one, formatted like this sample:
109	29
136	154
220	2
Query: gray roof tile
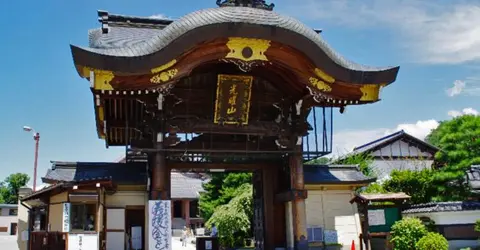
452	206
334	174
183	185
122	42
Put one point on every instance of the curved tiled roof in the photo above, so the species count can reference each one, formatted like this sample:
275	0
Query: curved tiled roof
434	207
129	42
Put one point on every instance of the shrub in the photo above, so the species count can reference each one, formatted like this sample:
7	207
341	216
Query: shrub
477	226
407	232
432	241
233	220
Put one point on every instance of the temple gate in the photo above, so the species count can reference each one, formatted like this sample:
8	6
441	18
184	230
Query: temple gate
238	87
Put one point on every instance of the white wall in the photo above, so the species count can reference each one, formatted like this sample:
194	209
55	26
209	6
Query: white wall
6	220
332	210
401	149
450	218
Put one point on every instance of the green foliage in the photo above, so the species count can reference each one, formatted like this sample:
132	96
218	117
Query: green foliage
233	220
418	184
432	241
375	188
477	226
459	141
220	190
9	188
407	232
319	161
364	162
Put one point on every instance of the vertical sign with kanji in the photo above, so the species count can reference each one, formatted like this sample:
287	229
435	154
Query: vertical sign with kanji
233	99
66	218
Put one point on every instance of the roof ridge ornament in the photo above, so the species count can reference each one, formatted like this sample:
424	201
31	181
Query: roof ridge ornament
259	4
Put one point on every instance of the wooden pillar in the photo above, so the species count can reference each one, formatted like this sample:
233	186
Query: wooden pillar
160	173
299	215
186	211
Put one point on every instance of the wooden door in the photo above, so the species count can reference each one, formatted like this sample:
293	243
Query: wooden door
258	211
135	217
13	229
115	229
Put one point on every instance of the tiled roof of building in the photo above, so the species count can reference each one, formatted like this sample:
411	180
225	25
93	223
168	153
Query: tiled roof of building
373	145
183	185
335	174
8	205
144	41
120	173
443	207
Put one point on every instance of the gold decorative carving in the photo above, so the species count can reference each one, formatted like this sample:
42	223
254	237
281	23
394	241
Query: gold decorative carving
101	114
247	49
232	105
164	67
164	76
324	76
103	79
370	92
320	85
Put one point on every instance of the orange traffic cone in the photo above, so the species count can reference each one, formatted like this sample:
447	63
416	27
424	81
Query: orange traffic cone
353	245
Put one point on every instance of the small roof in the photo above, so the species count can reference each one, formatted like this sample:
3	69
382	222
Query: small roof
473	178
183	185
380	197
8	205
335	174
119	173
434	207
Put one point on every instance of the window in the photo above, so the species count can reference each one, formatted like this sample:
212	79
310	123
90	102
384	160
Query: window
83	217
315	234
13	212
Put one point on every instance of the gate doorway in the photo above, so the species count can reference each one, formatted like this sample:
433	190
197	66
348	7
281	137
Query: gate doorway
266	212
135	226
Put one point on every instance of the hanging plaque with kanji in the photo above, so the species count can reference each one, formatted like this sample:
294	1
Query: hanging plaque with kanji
233	99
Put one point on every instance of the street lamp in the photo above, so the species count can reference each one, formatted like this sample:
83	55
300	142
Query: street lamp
36	138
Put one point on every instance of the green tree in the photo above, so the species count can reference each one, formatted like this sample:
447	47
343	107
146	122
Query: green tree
220	190
432	241
319	161
459	141
9	188
407	232
418	184
233	220
364	162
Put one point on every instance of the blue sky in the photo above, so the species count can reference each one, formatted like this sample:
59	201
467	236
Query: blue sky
436	43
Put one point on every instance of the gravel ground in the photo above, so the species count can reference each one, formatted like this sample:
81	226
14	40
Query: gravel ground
8	243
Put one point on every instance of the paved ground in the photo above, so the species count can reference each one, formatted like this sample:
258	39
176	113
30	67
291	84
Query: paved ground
8	243
177	244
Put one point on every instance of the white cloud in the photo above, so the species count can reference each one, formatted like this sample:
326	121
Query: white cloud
465	111
445	32
345	141
457	88
159	16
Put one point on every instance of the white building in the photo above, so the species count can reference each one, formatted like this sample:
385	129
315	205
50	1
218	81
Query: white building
399	151
8	219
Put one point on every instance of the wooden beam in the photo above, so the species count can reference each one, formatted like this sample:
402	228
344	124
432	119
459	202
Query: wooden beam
216	166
